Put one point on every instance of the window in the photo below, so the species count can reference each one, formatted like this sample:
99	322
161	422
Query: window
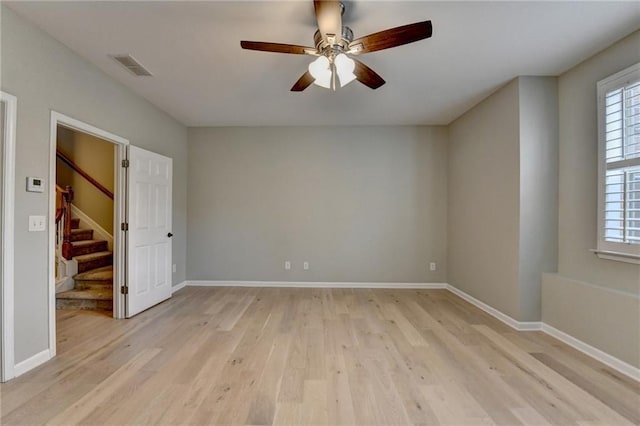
619	168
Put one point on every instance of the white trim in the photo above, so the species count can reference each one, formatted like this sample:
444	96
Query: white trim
614	249
7	369
617	256
119	206
312	284
119	241
72	123
98	231
595	353
515	324
178	286
31	363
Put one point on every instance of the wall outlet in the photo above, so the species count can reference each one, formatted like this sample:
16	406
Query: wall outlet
287	265
174	269
432	266
305	266
37	223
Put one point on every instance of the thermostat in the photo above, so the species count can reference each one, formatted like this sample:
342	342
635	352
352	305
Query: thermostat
35	184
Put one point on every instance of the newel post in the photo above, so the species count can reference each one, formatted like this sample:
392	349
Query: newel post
67	199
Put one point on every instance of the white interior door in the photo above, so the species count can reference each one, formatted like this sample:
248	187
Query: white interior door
149	235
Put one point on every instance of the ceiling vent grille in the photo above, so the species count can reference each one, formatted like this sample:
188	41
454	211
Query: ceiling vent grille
130	63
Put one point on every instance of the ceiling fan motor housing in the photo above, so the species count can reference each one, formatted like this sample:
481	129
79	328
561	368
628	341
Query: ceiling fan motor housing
324	47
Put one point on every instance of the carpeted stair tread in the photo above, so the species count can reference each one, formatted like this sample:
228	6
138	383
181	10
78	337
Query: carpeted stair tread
90	294
99	274
88	262
92	256
82	243
79	248
81	234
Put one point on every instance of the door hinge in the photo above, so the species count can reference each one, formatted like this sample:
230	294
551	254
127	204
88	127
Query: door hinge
124	289
124	226
125	163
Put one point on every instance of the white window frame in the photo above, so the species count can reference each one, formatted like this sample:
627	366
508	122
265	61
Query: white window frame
624	252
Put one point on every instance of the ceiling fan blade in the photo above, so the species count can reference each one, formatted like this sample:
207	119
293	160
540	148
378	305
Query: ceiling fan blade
329	16
305	81
367	76
277	47
391	38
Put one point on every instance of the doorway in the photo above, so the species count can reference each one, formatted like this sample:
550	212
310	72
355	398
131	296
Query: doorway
61	124
85	211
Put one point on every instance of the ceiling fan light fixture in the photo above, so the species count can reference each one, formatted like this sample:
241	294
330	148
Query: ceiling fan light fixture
320	70
344	68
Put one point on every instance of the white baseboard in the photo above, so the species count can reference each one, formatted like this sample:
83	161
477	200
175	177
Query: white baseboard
595	353
315	284
31	363
178	286
513	323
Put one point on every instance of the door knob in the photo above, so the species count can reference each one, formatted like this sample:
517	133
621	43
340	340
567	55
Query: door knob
169	235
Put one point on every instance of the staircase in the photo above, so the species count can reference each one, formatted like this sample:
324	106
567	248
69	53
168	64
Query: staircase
94	280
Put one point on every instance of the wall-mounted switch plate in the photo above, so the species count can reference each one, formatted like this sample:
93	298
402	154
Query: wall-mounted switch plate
287	265
173	268
432	266
305	266
37	223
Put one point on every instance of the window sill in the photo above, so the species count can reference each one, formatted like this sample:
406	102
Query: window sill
617	256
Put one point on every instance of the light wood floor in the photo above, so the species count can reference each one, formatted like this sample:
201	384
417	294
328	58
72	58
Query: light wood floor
314	356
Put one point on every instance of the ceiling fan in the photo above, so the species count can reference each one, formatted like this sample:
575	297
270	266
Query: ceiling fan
335	46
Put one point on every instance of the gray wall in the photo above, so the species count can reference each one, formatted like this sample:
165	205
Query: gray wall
360	204
538	249
570	298
483	188
96	157
503	179
45	76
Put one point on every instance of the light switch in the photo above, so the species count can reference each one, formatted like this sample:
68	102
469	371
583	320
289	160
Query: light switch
37	223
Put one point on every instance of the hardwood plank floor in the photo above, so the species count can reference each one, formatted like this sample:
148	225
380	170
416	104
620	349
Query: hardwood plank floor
314	356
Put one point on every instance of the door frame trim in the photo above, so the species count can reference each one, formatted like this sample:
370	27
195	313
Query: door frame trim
119	214
7	214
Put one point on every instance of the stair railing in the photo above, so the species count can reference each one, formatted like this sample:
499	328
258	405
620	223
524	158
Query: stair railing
64	198
73	166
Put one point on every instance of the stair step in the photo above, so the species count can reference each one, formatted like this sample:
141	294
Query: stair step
87	262
95	278
75	223
88	246
94	299
81	234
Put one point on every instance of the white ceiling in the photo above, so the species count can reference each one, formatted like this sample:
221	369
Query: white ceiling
203	78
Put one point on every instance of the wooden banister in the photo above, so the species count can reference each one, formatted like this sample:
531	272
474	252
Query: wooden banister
63	219
67	161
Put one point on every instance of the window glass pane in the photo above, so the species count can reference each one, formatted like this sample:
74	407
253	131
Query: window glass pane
614	97
631	121
616	125
614	116
616	107
622	148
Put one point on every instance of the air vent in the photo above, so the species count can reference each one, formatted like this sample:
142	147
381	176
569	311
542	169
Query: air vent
130	63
